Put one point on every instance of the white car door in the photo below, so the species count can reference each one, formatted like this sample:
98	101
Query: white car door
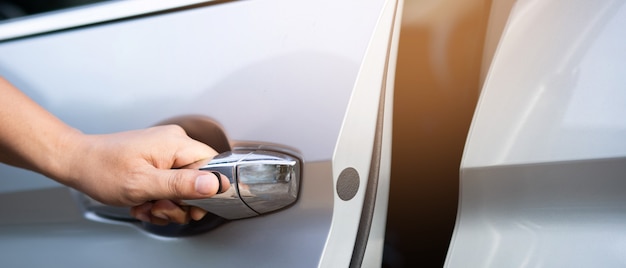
543	174
311	78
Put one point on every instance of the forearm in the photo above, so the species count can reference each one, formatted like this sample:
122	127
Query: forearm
31	137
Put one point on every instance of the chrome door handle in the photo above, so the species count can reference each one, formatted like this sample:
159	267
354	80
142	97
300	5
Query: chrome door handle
260	181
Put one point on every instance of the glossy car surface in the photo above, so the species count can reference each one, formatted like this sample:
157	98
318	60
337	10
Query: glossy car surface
311	78
544	168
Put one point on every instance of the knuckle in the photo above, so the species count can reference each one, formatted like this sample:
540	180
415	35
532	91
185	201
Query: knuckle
132	195
175	184
133	191
175	129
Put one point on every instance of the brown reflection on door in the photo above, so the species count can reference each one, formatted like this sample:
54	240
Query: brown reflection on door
437	86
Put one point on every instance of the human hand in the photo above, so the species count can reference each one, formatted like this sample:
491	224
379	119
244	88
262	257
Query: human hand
143	169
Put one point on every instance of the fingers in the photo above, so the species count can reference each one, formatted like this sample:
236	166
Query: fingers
163	212
176	212
143	213
197	213
159	163
189	151
169	211
179	184
183	184
164	147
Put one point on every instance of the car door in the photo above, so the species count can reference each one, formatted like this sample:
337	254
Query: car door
543	174
312	80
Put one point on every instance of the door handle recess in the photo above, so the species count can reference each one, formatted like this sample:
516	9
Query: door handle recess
261	181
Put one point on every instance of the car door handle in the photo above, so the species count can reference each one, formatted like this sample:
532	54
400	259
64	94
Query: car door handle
261	181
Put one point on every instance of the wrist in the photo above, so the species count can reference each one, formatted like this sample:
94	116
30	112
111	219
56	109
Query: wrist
66	152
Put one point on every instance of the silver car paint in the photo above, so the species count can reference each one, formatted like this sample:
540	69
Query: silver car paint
293	78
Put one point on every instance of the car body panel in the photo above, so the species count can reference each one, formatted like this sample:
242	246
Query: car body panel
315	80
542	175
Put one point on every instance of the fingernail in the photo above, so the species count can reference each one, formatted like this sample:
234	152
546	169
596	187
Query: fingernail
205	184
161	216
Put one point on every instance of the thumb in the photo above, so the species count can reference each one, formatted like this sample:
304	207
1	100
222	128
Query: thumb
176	184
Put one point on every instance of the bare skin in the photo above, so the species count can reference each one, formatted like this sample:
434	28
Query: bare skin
142	169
